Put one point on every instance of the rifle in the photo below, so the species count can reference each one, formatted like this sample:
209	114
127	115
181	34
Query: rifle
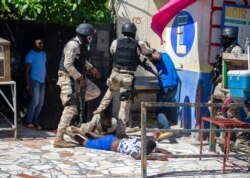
78	98
81	104
215	73
84	55
146	66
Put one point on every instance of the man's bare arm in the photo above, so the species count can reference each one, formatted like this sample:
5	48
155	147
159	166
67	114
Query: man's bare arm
163	151
77	130
96	135
151	157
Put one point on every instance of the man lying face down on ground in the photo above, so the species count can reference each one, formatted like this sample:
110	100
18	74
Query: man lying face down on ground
128	146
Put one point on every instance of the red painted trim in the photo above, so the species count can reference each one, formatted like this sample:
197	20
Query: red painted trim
213	9
217	8
229	2
215	44
215	26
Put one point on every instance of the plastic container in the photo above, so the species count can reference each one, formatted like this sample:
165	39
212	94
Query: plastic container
239	84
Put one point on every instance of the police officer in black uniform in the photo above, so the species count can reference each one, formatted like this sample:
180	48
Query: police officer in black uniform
127	53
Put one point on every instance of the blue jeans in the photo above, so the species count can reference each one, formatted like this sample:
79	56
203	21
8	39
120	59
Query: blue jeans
36	103
163	121
165	95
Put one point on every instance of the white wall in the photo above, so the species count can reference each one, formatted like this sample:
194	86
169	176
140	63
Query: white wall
140	12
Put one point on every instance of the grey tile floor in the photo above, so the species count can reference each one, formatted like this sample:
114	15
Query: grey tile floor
33	156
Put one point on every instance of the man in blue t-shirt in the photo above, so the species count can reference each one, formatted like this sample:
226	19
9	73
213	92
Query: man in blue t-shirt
128	146
168	88
35	74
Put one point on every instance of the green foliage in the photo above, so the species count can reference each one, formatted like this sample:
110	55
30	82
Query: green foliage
65	12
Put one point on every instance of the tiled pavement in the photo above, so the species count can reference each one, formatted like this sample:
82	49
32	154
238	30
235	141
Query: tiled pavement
33	156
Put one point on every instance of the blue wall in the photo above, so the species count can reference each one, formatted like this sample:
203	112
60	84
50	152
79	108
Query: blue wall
187	91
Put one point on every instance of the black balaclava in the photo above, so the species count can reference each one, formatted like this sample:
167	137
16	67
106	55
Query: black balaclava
226	41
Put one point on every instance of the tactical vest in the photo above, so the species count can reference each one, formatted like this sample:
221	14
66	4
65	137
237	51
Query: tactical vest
230	48
79	61
126	55
218	64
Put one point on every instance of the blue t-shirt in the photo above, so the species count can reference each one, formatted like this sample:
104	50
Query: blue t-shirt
38	65
167	71
104	143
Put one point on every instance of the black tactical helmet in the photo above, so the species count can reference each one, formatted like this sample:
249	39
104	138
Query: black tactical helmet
229	32
85	29
129	28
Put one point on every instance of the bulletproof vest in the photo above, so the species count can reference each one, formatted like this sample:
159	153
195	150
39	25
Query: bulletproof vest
126	55
218	65
79	61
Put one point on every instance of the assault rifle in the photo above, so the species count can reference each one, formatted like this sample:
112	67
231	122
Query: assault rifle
81	104
146	66
216	72
84	55
78	98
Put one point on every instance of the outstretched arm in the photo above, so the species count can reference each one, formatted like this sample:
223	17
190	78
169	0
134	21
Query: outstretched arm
164	157
163	151
152	157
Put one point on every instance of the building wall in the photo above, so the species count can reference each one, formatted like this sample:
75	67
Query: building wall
140	12
193	57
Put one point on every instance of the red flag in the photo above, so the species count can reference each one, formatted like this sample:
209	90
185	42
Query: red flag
166	13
